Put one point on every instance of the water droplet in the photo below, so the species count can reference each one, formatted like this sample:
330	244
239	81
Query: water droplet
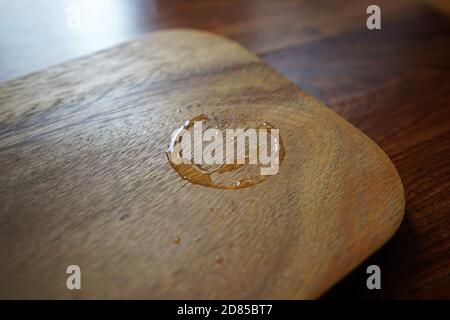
218	176
176	240
179	110
124	217
219	260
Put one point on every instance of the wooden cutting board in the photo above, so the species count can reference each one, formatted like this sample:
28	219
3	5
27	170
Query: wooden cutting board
86	181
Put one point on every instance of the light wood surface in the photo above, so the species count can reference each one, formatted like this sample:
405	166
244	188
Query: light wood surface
85	180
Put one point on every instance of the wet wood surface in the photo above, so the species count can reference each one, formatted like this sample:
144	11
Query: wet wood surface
392	84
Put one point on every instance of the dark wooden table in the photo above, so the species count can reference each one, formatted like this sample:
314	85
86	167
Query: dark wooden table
393	84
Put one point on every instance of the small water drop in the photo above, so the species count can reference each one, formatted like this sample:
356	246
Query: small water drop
176	240
124	217
179	110
219	260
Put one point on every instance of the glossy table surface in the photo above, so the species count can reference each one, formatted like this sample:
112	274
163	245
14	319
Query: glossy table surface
393	84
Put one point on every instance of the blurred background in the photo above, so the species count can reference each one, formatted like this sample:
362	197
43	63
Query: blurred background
393	84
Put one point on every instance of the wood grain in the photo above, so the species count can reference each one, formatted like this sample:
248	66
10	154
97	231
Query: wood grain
392	84
86	180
